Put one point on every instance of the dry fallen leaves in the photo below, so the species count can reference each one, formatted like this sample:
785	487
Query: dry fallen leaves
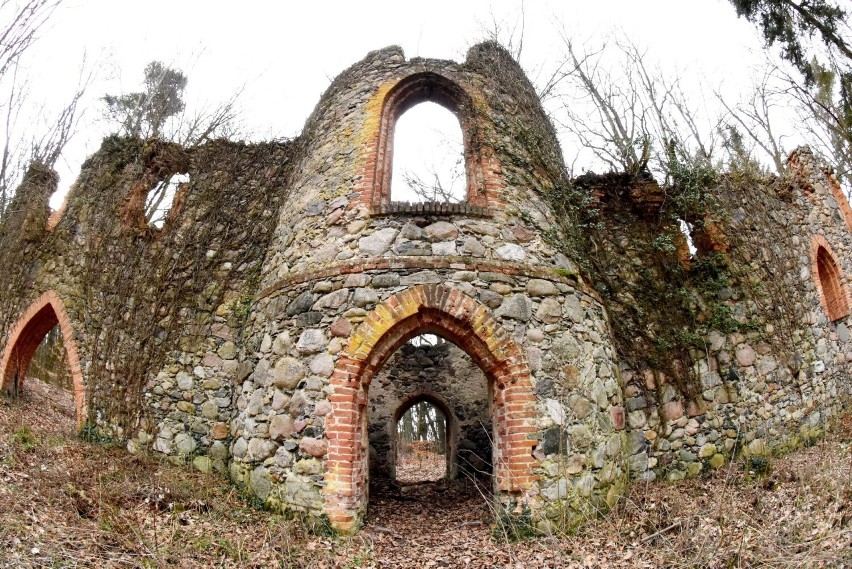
64	502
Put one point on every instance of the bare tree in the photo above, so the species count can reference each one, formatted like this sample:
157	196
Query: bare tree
145	113
823	119
435	190
22	143
754	119
159	110
47	147
627	111
20	27
616	131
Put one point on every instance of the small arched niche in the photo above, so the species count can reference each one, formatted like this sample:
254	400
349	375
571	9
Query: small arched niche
830	284
49	383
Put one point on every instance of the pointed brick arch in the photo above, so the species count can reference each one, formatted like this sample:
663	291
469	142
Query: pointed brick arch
840	198
47	311
828	279
388	104
459	318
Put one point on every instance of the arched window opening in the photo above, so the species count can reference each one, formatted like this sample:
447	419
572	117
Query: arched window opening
833	293
686	229
428	157
421	444
159	200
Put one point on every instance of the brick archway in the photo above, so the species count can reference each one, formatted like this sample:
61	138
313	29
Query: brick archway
828	279
47	311
459	318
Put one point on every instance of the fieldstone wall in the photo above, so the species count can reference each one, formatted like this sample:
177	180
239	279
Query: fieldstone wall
771	369
338	260
258	330
152	314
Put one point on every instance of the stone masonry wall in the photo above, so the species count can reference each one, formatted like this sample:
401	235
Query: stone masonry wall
152	314
336	261
780	372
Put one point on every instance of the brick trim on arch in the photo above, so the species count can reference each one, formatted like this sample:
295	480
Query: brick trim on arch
828	279
840	198
389	103
44	313
450	313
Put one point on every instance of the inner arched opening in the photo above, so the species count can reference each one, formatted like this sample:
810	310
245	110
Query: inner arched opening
430	432
430	416
40	363
421	444
48	383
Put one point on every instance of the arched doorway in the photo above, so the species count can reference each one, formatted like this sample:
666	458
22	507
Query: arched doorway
451	314
47	312
423	445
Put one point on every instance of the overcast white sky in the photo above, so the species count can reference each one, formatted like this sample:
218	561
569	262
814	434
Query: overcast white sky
287	53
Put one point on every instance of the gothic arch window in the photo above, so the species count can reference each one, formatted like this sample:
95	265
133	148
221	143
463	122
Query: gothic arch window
470	197
428	157
829	281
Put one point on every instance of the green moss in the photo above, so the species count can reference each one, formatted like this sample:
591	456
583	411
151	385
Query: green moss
24	439
567	273
513	526
92	433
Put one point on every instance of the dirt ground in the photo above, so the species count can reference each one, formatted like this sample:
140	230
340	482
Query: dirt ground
65	502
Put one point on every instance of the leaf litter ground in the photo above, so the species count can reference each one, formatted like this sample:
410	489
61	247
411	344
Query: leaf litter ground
69	503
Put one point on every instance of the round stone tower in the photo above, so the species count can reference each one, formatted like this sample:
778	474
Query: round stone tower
351	276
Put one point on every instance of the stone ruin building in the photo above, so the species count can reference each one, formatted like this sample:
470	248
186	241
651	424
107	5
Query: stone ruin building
263	332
